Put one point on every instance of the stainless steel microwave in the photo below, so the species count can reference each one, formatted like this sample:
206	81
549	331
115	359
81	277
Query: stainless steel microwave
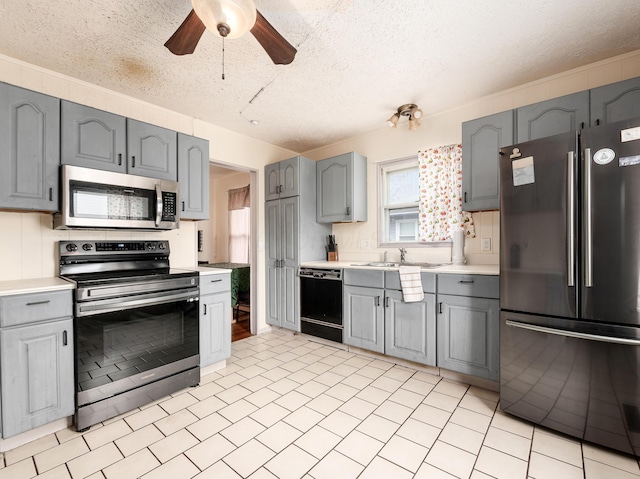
97	199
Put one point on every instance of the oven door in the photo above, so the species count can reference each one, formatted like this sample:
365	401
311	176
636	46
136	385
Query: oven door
321	308
117	351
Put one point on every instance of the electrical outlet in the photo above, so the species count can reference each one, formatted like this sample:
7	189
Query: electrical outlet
486	245
365	244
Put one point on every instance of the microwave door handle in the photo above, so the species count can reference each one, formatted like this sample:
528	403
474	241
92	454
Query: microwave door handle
158	205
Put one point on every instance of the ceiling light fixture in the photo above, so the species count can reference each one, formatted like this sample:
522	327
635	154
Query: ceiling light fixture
410	110
227	18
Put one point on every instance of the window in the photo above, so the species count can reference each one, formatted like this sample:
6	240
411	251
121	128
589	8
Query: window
399	194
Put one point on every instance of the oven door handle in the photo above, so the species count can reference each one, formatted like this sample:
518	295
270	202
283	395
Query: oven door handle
118	304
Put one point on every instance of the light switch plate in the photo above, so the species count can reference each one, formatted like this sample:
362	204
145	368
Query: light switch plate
486	244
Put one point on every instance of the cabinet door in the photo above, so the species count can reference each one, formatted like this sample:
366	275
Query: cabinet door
290	291
215	328
272	253
272	181
92	138
468	330
334	179
151	151
193	176
289	177
36	366
30	153
363	316
552	117
481	140
615	102
410	328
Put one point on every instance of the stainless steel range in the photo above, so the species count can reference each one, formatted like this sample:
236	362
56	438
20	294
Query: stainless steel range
135	327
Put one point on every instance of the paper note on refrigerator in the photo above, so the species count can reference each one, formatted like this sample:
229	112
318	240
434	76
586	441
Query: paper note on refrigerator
523	171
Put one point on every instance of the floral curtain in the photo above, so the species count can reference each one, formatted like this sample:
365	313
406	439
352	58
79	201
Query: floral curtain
440	205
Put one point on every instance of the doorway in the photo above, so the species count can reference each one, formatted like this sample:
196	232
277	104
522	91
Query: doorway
216	234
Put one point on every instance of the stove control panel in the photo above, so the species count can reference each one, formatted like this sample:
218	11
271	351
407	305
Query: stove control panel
82	248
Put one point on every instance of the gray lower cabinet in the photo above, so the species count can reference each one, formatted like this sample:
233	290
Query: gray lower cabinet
482	139
193	177
215	318
363	317
342	189
292	236
30	153
552	117
468	324
615	102
36	360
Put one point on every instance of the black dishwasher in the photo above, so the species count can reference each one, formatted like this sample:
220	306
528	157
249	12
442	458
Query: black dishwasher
321	303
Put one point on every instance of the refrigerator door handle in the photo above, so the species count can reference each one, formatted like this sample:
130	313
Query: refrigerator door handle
588	226
573	334
571	247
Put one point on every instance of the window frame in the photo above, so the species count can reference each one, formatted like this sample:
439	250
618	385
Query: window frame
383	168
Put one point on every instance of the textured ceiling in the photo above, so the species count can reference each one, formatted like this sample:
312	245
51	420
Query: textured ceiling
357	60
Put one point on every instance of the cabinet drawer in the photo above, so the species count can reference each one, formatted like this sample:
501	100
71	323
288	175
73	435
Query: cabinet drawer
481	286
214	283
30	308
392	281
362	277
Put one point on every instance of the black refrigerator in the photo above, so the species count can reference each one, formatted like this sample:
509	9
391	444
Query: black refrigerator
570	283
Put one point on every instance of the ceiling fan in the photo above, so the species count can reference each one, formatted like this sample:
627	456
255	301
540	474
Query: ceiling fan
229	19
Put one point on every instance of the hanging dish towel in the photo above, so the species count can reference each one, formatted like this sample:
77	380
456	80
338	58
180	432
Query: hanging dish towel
411	284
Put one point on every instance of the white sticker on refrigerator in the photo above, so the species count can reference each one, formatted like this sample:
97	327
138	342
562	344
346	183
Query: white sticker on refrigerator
604	156
629	161
523	171
630	134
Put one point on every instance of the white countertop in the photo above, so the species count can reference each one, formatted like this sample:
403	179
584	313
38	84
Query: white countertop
205	271
36	285
490	269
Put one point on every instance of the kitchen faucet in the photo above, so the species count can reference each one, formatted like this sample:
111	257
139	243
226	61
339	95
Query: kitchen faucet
403	254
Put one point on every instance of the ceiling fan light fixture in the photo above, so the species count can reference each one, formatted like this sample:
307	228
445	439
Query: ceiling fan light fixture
415	112
414	123
227	18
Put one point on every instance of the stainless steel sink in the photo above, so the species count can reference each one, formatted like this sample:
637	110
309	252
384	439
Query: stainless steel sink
382	264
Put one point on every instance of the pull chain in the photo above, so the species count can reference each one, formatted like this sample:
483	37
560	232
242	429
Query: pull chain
223	58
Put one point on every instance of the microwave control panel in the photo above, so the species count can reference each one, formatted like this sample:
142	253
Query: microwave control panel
169	205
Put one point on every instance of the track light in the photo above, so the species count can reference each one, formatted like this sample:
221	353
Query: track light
410	110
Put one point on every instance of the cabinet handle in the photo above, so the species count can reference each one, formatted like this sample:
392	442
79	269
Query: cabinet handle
348	210
598	122
64	337
440	307
50	194
467	281
386	301
216	280
465	196
119	159
38	302
377	300
205	309
183	206
133	161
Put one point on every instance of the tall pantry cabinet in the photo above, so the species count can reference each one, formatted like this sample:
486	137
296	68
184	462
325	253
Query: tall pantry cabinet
292	235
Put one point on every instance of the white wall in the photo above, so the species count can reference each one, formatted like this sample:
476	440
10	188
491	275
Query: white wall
27	240
443	129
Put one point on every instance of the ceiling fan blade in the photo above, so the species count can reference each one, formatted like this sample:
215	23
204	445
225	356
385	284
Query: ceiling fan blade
186	37
280	50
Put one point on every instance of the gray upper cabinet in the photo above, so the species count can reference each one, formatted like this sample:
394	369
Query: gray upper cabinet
30	153
468	324
97	139
93	138
193	176
151	151
552	117
482	139
342	189
291	237
36	360
615	102
282	179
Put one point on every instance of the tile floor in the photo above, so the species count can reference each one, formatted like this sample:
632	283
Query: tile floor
288	408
